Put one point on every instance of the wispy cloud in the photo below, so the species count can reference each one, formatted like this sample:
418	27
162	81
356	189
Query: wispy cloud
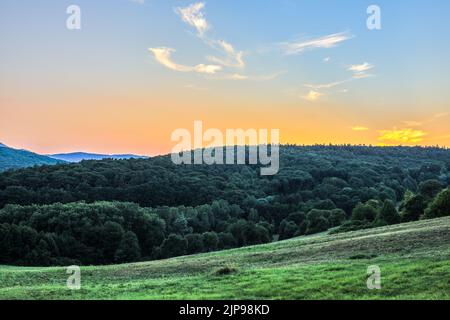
164	56
440	115
361	67
138	1
318	90
239	76
362	75
329	41
195	87
434	117
194	16
233	58
408	136
312	96
413	123
360	128
326	85
360	70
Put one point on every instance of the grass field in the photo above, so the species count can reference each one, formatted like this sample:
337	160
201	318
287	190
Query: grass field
414	259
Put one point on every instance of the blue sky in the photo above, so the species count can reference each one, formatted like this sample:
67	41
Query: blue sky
404	78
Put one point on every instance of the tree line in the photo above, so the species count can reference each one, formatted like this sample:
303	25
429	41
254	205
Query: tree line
112	211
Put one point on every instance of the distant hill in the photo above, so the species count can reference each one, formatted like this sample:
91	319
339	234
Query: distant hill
80	156
14	159
314	176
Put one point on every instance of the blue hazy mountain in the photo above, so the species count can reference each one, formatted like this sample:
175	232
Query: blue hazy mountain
80	156
11	158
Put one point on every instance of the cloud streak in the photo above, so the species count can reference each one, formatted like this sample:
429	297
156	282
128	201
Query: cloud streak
361	67
233	58
326	85
437	116
317	90
360	70
163	55
239	76
194	16
329	41
360	128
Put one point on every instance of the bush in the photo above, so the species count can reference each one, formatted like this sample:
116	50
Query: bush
225	271
413	208
388	214
210	241
174	245
194	243
440	206
364	212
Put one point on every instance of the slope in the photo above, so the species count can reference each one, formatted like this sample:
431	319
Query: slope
414	259
14	159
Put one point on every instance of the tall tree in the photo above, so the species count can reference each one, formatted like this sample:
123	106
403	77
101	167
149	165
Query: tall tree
128	249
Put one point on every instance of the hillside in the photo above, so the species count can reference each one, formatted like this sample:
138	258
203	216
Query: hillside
80	156
119	211
414	259
342	174
14	159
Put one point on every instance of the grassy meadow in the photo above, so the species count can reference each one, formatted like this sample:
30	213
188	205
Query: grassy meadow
414	259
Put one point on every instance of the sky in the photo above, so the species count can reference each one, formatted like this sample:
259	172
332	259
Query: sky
137	70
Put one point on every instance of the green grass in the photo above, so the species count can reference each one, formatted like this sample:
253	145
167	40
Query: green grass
414	259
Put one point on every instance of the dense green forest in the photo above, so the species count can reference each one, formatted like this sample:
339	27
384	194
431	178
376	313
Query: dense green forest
99	212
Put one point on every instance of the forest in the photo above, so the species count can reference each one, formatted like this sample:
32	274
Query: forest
114	211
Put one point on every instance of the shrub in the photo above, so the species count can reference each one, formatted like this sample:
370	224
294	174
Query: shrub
440	206
226	270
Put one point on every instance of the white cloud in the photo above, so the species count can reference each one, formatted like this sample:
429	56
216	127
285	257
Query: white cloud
312	95
326	85
329	41
194	16
327	59
239	76
360	70
361	67
207	68
233	58
317	90
163	56
362	75
138	1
